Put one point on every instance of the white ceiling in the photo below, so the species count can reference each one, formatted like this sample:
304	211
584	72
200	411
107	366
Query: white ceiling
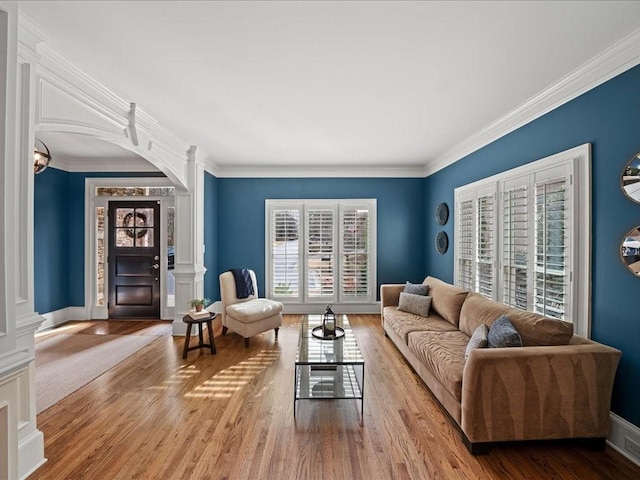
329	84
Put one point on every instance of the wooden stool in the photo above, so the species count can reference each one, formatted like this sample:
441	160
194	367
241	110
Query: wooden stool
199	321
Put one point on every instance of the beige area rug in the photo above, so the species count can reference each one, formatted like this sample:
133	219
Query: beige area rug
65	362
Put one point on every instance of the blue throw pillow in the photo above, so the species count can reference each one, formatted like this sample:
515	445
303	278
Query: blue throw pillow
503	334
416	288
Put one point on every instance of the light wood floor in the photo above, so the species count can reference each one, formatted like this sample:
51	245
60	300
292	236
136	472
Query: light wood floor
230	416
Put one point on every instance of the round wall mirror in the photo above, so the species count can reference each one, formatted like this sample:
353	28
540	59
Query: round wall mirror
631	178
630	250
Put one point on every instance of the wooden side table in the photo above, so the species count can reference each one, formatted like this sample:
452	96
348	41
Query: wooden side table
199	321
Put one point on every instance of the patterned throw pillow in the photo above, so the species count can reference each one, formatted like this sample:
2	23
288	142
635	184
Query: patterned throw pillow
416	304
479	339
416	288
503	334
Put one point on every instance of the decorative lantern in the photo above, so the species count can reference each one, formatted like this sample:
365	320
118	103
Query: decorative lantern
329	322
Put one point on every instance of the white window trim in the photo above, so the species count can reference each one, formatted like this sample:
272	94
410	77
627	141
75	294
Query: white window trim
92	201
304	304
579	161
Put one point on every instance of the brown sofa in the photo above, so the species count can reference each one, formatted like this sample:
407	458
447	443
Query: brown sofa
556	386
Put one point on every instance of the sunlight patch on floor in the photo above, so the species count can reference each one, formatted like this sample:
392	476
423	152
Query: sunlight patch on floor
226	383
185	372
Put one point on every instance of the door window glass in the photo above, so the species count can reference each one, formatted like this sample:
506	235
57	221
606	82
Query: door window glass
134	227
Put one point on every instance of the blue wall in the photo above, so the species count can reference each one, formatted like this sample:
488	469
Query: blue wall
51	245
241	220
608	117
211	284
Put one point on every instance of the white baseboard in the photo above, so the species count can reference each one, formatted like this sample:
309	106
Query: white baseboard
215	307
31	454
619	430
58	317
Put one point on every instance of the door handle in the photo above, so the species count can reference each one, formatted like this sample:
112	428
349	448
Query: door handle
156	266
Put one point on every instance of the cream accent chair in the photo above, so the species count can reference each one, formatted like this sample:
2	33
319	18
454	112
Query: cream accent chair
247	316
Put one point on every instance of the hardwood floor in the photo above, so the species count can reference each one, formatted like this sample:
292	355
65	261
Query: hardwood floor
230	416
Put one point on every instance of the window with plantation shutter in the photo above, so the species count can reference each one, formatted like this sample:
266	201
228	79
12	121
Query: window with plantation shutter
551	279
354	274
320	253
538	235
285	261
475	241
485	252
466	245
515	245
336	260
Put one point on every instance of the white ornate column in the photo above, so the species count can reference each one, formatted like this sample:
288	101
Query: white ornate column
30	439
21	443
189	230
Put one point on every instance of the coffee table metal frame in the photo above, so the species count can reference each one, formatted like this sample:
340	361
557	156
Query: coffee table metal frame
328	369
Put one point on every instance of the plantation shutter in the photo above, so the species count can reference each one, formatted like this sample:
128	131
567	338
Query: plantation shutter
320	253
536	255
355	259
485	245
466	244
551	260
285	259
515	243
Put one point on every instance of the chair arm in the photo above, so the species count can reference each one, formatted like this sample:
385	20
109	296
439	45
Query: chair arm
529	393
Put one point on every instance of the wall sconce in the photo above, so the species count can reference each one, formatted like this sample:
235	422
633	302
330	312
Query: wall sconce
41	159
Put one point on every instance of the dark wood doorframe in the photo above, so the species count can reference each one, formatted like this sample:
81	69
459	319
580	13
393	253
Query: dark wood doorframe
134	259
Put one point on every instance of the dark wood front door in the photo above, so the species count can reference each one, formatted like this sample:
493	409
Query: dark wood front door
134	260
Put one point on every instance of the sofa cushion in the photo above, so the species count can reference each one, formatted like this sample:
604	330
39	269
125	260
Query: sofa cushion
416	288
402	323
447	299
254	310
443	354
477	310
416	304
535	329
479	339
503	334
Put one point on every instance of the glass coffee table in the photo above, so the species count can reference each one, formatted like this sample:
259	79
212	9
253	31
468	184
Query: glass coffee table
328	369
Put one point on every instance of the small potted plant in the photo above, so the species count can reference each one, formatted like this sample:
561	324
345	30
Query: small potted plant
199	303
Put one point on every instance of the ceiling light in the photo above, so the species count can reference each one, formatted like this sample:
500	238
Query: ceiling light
41	159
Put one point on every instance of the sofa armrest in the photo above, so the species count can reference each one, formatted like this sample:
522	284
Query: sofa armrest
389	296
529	393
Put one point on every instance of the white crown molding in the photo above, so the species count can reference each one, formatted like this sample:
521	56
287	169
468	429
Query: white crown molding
81	81
607	64
30	36
312	171
133	164
210	166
